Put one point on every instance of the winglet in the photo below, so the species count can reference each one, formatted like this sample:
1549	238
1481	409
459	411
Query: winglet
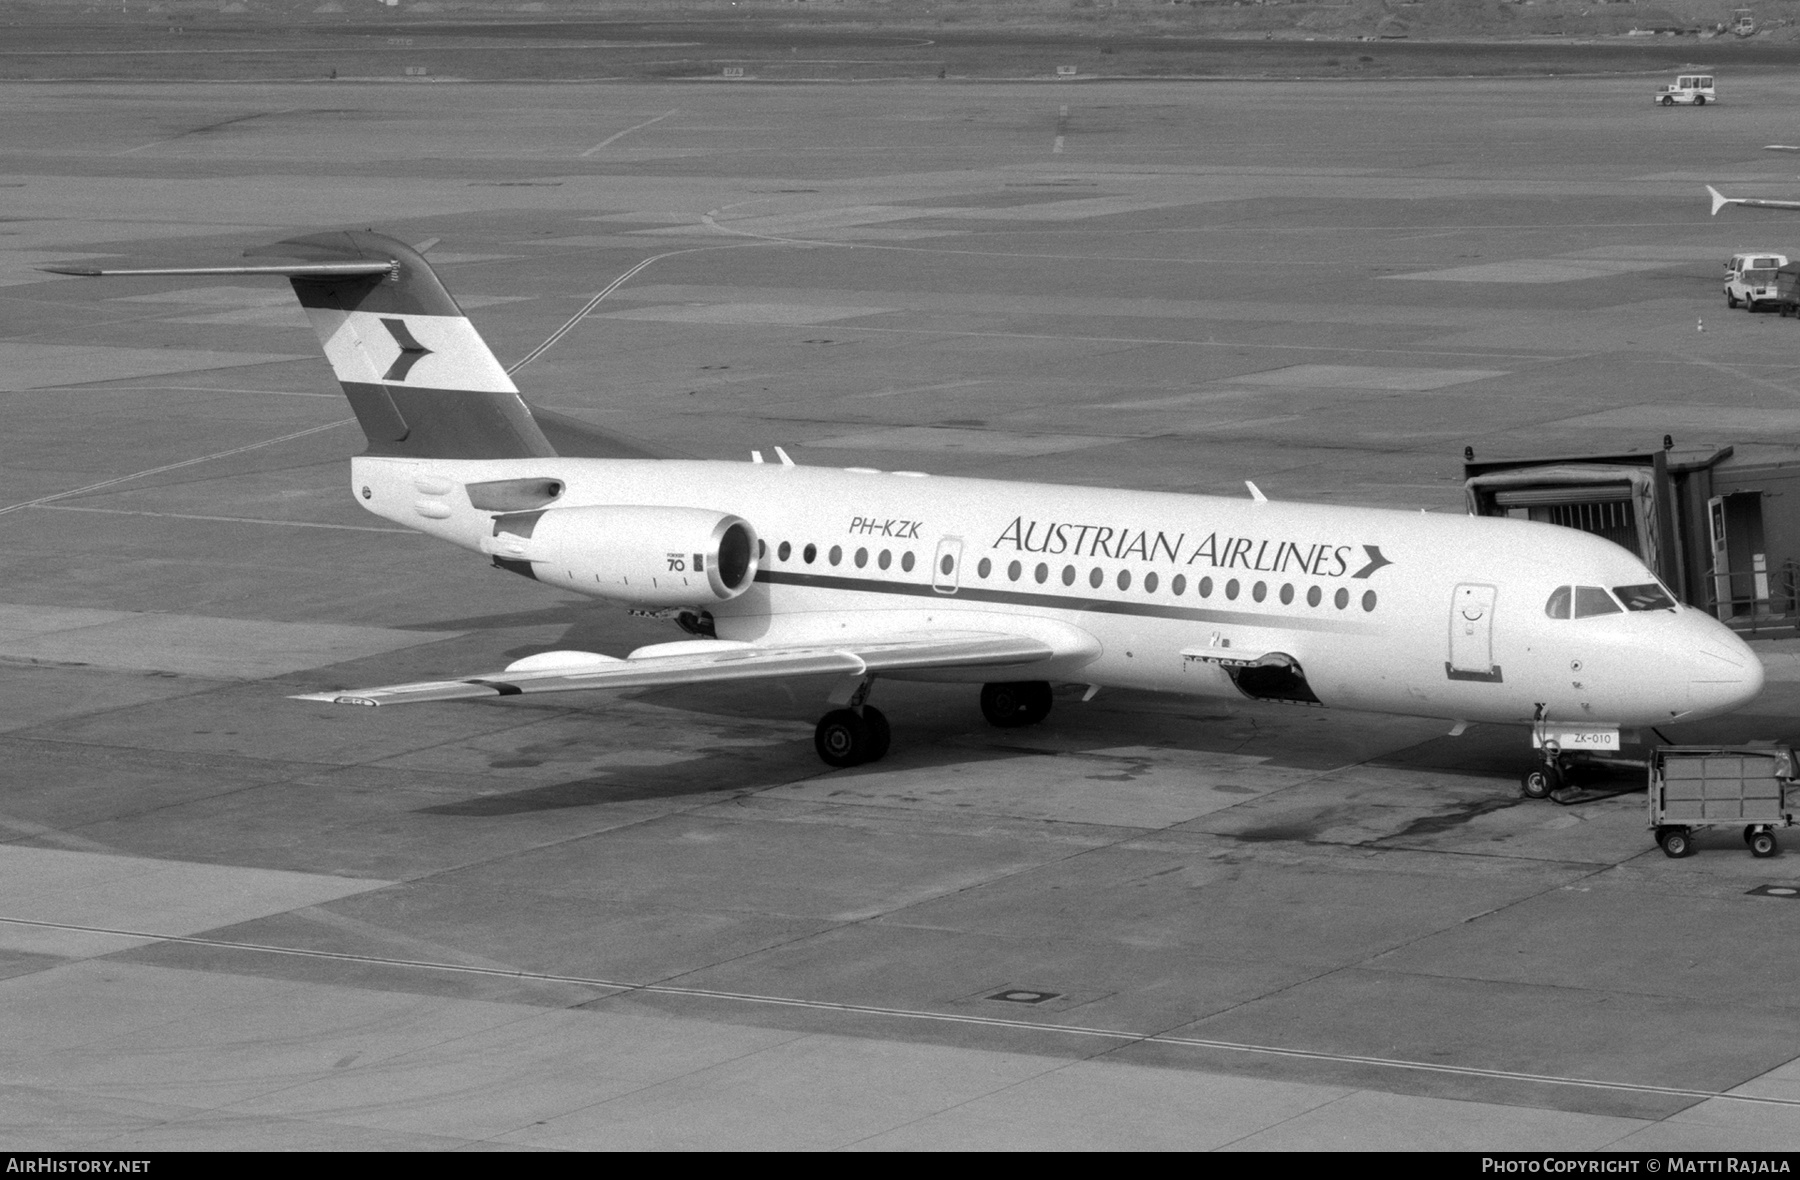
1256	493
1719	199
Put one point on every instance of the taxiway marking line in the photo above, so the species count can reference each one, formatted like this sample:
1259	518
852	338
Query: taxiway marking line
107	483
1074	1030
298	524
622	134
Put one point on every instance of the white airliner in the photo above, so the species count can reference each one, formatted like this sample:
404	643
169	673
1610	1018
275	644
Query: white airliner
776	570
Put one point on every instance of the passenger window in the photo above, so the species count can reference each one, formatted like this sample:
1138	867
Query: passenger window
1178	587
1231	589
986	567
1014	570
784	551
1068	575
1096	576
1042	573
1149	583
906	561
1650	596
1592	600
1558	606
862	558
809	553
1205	588
886	559
837	554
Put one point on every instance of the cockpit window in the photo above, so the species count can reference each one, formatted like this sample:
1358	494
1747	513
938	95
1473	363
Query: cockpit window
1558	606
1649	596
1594	600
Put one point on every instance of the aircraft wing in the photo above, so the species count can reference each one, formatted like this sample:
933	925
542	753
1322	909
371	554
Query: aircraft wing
1720	200
731	661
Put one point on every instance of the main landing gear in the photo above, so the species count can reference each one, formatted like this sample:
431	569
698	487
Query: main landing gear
1016	703
851	737
859	732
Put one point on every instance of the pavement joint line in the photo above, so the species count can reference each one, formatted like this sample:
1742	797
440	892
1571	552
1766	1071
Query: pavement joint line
107	483
1075	1030
618	135
298	524
591	304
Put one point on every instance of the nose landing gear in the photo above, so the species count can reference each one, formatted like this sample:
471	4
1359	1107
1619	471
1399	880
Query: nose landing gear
1539	781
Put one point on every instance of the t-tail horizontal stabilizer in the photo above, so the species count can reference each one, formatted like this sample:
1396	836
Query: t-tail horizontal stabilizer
1720	200
422	381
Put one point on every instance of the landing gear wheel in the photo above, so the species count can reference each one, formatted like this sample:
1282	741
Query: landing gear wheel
880	736
1762	844
842	738
1539	781
1012	704
1675	842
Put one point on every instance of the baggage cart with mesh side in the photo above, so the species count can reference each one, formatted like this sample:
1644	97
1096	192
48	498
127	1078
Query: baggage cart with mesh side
1721	786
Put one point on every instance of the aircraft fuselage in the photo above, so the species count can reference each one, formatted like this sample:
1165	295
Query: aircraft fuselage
1431	615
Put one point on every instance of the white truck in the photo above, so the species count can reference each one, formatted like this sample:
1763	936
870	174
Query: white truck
1687	90
1750	278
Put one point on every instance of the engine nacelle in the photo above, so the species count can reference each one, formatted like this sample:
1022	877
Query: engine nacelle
641	556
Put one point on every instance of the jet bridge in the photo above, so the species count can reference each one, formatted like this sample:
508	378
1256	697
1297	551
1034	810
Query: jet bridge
1720	528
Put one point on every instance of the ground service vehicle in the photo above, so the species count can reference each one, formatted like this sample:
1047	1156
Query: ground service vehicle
1787	289
1750	279
1687	90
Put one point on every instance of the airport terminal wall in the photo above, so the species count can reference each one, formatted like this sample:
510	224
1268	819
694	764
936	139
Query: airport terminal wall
650	918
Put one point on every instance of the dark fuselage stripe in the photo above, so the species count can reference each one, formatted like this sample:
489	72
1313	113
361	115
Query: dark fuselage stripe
1152	610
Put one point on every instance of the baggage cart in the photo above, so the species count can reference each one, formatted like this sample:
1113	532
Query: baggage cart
1721	786
1787	289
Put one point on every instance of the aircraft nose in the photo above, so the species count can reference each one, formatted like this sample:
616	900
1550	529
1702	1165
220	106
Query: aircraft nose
1723	673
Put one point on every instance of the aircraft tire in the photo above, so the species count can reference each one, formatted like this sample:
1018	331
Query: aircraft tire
842	739
1676	843
1009	705
1539	781
1762	845
880	735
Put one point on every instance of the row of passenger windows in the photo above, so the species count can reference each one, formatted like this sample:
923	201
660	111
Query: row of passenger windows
1096	577
883	560
1582	602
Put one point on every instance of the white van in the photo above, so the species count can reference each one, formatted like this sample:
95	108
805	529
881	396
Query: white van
1688	90
1750	278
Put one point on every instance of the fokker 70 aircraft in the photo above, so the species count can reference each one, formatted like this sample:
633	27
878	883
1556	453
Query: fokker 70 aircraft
775	569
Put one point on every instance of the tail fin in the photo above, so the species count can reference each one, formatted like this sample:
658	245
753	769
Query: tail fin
422	381
1719	200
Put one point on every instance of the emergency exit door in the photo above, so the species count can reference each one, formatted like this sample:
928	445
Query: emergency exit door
1472	633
